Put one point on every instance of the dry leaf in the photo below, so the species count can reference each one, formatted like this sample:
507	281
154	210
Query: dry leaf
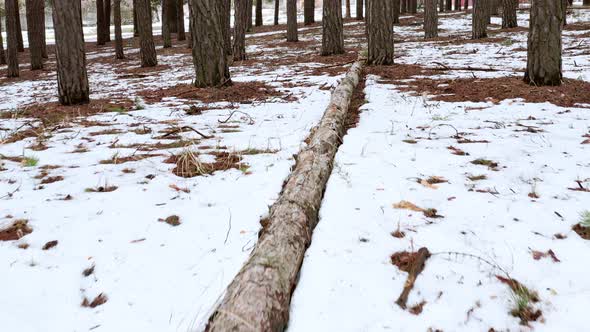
427	184
407	206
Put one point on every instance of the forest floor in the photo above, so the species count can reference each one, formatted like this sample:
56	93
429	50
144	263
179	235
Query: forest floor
136	211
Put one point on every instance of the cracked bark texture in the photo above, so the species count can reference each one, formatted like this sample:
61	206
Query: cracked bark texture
430	19
292	21
118	33
544	43
11	38
479	23
72	79
333	30
147	49
209	54
308	12
240	26
34	10
509	14
259	296
380	32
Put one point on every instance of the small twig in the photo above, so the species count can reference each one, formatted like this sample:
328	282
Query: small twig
228	228
251	121
441	125
9	194
184	128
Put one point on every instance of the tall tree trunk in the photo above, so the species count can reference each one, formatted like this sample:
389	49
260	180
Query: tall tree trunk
479	20
135	25
448	5
292	21
258	20
250	16
380	32
457	5
333	29
240	26
430	19
166	24
564	5
359	10
225	25
348	13
189	41
34	10
413	6
118	33
586	3
100	22
544	43
10	6
43	35
72	79
147	50
276	21
209	58
488	10
2	54
396	10
180	35
173	16
466	5
107	20
308	12
19	35
403	6
441	5
509	14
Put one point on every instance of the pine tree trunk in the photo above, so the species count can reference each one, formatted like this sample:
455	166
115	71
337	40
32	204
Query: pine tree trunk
396	10
11	38
250	16
333	30
466	5
19	35
308	12
172	16
72	79
100	21
403	6
348	13
544	43
225	26
209	58
166	24
413	6
43	34
488	10
147	50
2	53
189	41
457	5
448	5
276	21
292	21
509	14
240	26
258	21
380	32
441	5
479	20
180	35
107	20
34	10
564	4
118	33
586	3
359	10
135	28
430	19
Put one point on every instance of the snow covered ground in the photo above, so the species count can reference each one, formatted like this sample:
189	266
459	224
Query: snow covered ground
498	220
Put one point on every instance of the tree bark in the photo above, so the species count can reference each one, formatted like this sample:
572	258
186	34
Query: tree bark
396	10
2	53
118	33
457	5
292	35
403	6
479	20
240	26
564	5
135	28
586	3
180	35
107	20
430	19
380	33
34	10
21	47
333	29
11	38
348	13
466	5
276	21
448	5
209	58
509	14
147	50
225	26
166	24
308	12
413	6
359	10
258	20
189	41
100	22
43	33
172	16
544	43
259	296
441	5
250	16
72	79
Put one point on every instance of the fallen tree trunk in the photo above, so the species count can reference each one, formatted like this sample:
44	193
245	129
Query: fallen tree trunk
258	298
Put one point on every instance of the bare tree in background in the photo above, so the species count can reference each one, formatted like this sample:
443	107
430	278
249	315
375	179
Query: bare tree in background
396	11
181	33
308	12
347	13
276	21
166	36
225	25
430	19
10	6
240	26
118	33
380	32
258	21
72	79
34	9
333	29
359	10
107	20
479	20
2	54
147	49
509	14
100	23
292	21
19	33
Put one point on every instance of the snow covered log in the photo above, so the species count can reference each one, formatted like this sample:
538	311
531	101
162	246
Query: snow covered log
258	298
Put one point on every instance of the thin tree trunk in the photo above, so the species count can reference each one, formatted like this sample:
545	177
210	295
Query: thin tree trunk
466	5
100	22
403	6
72	79
10	6
413	6
147	50
348	13
240	26
180	35
250	16
380	33
359	10
441	5
209	58
34	10
258	20
448	5
118	33
107	20
479	20
430	19
544	43
276	21
173	16
189	41
43	34
457	5
308	12
166	24
225	25
333	29
19	35
292	35
509	14
564	4
135	25
396	9
2	53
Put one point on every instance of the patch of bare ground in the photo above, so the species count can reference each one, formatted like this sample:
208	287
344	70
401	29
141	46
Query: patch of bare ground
16	230
141	72
26	74
238	92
